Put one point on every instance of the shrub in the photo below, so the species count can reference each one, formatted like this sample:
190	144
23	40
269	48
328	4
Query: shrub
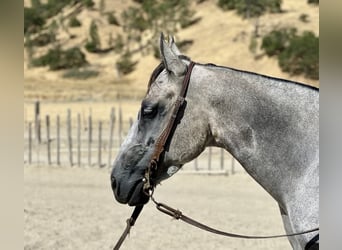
88	3
304	18
93	43
91	47
313	2
125	65
227	4
53	7
33	21
80	74
277	40
36	3
301	56
135	19
251	8
186	22
156	52
112	19
58	59
74	22
184	45
43	39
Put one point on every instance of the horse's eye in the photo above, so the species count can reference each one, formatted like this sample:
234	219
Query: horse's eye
149	111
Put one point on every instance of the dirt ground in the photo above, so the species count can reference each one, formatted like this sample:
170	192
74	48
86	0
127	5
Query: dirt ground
73	208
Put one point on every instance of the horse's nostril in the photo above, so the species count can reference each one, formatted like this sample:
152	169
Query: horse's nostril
113	181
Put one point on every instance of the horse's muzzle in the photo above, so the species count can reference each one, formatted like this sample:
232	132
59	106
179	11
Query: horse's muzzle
132	195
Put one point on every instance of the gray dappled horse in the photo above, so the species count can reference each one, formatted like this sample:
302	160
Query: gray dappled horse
269	125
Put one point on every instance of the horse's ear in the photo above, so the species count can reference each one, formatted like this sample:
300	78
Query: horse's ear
171	61
173	46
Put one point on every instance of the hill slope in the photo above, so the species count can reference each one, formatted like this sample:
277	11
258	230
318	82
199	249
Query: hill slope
219	37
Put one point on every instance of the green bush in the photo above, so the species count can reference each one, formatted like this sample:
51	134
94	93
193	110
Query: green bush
33	21
227	4
297	54
36	3
135	19
53	7
251	8
184	45
43	39
80	74
88	3
93	43
112	19
304	18
91	47
277	40
313	1
301	56
74	22
58	59
156	52
125	65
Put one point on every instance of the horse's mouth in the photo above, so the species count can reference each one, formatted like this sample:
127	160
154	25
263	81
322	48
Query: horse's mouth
135	196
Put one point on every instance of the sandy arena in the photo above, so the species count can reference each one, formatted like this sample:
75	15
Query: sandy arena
73	208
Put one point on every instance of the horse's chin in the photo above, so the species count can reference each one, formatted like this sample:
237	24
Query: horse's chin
135	196
138	197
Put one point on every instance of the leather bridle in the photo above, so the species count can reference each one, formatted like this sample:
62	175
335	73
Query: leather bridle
166	133
158	150
148	187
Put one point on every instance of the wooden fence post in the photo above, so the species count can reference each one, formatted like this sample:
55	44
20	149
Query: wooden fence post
196	164
209	158
37	121
130	122
79	139
90	127
69	137
100	144
30	143
58	138
48	141
222	158
111	129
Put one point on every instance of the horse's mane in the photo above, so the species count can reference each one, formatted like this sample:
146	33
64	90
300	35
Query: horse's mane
155	74
161	67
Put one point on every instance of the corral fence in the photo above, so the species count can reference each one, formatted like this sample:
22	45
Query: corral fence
75	139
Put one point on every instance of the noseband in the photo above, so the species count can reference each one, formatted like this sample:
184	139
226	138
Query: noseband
166	133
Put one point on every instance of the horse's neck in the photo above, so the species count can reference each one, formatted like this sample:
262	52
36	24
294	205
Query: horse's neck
265	123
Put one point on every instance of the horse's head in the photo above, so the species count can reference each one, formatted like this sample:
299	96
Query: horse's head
187	138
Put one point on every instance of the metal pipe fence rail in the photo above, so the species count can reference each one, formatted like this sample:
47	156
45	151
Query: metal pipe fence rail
55	140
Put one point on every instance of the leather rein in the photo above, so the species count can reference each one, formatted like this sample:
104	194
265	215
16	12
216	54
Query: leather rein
148	187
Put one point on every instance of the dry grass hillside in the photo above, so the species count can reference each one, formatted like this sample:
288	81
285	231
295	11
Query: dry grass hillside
219	37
